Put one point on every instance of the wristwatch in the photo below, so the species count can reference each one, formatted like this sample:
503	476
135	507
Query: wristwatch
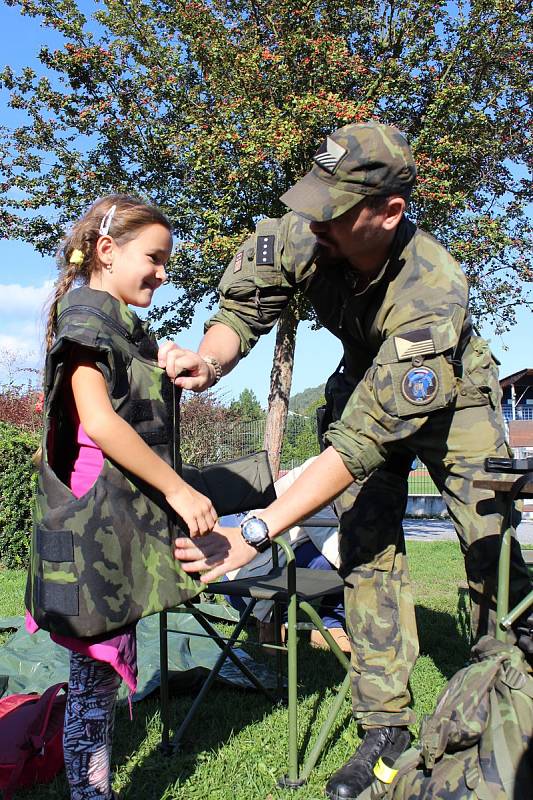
255	533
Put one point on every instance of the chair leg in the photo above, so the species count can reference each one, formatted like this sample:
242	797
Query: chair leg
292	780
325	730
502	601
163	673
226	652
337	704
277	617
313	615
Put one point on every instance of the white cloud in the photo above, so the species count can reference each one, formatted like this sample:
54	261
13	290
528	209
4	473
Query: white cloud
25	301
22	324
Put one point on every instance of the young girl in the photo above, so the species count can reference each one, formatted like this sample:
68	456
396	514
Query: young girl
102	545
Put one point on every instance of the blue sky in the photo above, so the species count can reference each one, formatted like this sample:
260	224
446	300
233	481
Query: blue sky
26	280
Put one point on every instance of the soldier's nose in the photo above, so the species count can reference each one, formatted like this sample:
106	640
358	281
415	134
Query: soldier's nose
317	227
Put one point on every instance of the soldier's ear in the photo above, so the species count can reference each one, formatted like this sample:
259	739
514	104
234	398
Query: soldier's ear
393	212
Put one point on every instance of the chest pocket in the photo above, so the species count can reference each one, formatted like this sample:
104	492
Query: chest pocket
479	385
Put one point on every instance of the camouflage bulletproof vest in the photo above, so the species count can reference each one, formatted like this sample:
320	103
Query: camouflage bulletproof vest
104	560
477	743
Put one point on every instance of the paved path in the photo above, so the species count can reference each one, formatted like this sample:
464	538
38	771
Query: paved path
431	530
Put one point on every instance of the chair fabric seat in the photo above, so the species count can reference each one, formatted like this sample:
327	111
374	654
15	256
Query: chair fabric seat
310	584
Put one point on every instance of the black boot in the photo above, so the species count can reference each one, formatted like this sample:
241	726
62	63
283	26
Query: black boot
524	632
358	772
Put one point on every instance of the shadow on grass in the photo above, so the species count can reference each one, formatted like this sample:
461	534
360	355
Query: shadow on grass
149	774
444	637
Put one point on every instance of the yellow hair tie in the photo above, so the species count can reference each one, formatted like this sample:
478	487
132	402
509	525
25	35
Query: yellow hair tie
384	773
76	257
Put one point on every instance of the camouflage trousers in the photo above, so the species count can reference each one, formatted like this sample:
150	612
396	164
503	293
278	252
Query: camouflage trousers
379	603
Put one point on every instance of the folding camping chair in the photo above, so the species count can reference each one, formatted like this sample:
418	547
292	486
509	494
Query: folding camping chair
514	488
234	487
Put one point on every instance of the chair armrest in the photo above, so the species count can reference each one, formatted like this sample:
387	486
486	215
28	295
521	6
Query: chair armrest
286	547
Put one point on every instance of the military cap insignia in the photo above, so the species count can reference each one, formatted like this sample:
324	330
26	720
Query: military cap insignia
329	155
237	266
420	385
414	343
264	254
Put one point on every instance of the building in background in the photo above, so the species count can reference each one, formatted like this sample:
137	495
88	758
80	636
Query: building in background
517	405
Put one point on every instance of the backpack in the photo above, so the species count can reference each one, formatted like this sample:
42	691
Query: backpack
31	738
478	743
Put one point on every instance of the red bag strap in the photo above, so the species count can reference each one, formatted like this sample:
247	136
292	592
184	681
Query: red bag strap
40	723
34	737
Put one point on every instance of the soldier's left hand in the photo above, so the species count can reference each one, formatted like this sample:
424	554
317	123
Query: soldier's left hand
218	552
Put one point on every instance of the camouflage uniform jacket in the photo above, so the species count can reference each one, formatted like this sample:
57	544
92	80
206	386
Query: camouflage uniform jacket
407	337
102	561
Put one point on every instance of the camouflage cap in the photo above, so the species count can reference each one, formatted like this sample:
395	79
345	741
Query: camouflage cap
352	163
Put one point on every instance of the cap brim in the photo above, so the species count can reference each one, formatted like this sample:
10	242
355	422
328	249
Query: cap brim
316	201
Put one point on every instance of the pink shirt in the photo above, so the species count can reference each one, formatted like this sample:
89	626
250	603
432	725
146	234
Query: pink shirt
87	465
120	651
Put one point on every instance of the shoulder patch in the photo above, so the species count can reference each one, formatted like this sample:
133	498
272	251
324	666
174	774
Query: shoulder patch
237	265
420	385
414	343
264	253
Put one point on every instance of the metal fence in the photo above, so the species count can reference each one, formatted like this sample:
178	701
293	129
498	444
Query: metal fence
420	482
201	444
521	412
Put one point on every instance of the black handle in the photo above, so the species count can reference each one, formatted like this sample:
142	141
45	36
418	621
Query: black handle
516	466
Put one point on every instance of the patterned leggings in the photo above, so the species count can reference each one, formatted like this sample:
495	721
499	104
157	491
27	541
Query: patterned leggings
88	732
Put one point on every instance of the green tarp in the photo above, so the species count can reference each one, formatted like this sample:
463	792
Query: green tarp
32	663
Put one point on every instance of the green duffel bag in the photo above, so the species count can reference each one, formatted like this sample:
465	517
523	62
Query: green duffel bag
478	743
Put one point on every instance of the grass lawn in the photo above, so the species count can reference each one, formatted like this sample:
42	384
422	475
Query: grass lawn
237	744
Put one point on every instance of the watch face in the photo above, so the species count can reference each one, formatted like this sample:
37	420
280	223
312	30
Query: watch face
254	530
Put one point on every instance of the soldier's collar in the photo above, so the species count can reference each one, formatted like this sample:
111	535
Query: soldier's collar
120	313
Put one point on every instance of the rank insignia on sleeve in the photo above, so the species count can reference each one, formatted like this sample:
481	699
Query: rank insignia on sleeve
420	385
237	266
264	253
414	343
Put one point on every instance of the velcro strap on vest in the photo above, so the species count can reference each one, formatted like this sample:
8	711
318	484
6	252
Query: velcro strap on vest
54	545
155	436
58	598
139	411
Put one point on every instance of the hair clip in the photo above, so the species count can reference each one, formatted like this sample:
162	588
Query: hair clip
107	219
76	257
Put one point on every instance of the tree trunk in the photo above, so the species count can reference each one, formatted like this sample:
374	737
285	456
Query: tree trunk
280	386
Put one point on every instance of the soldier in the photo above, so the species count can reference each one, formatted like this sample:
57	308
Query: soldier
414	380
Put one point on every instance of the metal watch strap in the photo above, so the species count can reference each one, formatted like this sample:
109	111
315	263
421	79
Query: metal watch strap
216	366
262	546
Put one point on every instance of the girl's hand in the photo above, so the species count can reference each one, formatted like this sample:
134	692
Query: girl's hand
219	552
194	508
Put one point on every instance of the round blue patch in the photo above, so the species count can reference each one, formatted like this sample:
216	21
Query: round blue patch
420	385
